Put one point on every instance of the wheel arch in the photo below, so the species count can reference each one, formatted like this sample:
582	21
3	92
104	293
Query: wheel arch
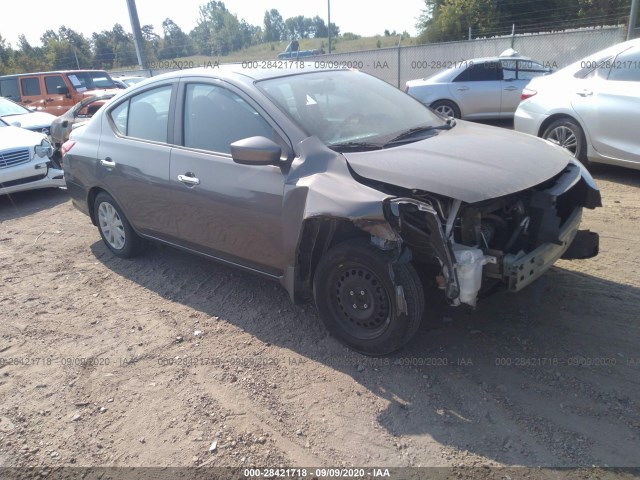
558	116
318	235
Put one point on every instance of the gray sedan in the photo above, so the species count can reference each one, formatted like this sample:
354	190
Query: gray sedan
334	183
480	88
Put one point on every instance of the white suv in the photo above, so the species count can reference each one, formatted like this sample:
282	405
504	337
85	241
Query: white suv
25	161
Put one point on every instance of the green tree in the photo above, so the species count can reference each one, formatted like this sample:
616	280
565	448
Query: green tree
274	26
6	57
28	58
175	43
450	20
152	42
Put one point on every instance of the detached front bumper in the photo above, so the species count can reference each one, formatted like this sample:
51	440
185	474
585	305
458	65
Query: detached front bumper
522	269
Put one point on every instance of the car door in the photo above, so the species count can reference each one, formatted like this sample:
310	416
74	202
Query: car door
223	209
477	90
31	92
516	74
57	98
134	156
608	103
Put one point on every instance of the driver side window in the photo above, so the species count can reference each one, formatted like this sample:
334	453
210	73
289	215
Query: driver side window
215	117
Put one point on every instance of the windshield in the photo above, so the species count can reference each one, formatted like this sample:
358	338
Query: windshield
83	81
345	106
9	108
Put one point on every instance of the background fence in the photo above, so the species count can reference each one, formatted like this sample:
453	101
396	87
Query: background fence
399	64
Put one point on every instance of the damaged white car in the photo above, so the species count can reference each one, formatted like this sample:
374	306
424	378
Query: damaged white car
25	161
334	183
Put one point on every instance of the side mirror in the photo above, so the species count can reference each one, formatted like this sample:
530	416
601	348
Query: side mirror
62	89
256	151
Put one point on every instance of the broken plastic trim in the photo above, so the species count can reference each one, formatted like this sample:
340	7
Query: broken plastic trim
436	238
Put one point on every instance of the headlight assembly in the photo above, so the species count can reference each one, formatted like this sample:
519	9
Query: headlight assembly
44	149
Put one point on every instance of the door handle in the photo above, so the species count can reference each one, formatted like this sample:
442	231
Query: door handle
107	162
585	93
511	89
49	100
189	179
27	101
462	89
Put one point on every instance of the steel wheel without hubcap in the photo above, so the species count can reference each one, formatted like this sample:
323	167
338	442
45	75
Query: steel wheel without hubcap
111	226
361	302
356	288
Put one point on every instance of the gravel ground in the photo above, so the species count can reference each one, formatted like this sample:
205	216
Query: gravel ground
169	360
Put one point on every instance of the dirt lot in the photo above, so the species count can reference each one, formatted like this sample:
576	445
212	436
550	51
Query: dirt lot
147	362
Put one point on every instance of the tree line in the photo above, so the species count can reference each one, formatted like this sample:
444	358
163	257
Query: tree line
450	20
217	32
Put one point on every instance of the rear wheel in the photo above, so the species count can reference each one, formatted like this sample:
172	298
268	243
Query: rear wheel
357	289
115	229
447	108
566	133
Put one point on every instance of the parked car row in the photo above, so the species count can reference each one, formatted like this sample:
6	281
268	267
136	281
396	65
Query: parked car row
589	108
479	88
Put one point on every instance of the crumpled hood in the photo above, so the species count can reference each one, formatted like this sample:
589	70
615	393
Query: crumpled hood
470	162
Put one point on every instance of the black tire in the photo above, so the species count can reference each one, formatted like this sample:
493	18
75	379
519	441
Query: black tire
120	238
447	108
566	133
356	271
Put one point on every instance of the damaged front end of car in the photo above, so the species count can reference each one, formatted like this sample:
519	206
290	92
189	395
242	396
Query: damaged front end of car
510	240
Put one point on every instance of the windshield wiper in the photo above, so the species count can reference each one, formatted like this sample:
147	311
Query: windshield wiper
342	146
423	129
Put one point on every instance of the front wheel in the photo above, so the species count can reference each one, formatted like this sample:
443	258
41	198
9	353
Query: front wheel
357	289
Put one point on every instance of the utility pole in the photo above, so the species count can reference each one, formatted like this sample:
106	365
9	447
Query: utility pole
329	26
633	16
137	34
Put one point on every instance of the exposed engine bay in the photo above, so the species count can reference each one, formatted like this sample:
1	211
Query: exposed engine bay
513	239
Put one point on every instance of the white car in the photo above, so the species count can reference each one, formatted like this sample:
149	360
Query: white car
591	108
19	116
480	88
25	161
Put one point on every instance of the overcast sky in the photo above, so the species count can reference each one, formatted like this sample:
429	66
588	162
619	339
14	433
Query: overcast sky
362	17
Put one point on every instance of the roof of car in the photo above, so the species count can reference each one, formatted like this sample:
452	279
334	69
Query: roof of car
281	68
53	71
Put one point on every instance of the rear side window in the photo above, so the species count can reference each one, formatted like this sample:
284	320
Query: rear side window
144	116
30	86
52	83
481	72
9	88
626	67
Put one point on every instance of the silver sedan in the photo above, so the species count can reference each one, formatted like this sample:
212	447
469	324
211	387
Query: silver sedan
480	88
591	108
